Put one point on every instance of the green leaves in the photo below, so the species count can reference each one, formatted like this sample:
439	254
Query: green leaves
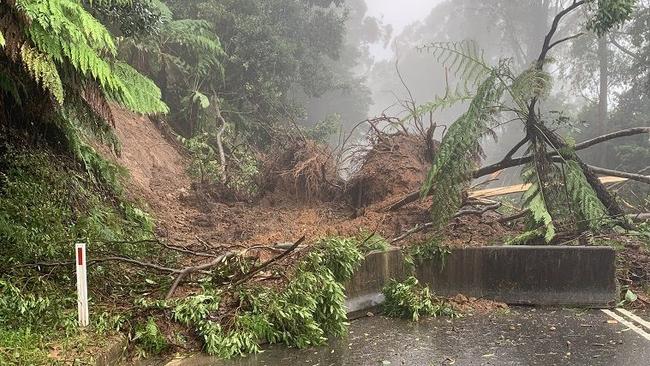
43	70
607	14
464	58
460	151
592	211
535	200
62	35
410	300
137	92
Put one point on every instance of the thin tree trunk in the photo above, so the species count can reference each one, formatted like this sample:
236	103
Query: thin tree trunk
603	110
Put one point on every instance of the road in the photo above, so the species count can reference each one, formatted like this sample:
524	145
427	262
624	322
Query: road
519	336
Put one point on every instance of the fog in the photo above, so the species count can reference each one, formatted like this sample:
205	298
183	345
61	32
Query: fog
387	35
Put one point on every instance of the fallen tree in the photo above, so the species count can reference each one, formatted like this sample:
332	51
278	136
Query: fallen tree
509	162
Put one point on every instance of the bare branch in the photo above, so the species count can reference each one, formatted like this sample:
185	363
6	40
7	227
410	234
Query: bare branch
257	269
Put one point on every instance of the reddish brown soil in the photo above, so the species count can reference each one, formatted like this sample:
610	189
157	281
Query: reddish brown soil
396	164
471	305
185	216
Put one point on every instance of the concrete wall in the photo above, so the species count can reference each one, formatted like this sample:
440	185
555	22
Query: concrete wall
527	275
364	288
521	275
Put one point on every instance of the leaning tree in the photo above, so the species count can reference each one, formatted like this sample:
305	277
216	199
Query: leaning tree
561	184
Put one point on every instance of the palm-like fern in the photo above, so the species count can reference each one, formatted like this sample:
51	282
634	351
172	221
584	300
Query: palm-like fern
592	211
465	59
460	149
61	34
452	168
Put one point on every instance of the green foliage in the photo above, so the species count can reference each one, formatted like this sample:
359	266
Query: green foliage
370	242
322	130
66	46
204	165
43	70
23	347
410	300
457	157
18	308
303	313
340	255
531	83
534	199
240	174
432	249
460	150
465	59
149	337
195	309
593	213
607	14
137	92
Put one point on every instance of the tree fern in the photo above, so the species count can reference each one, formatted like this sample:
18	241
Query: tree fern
196	38
534	199
465	59
137	92
583	197
439	103
63	32
43	70
457	157
532	83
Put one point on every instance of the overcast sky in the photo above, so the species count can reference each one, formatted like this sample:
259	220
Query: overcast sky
398	13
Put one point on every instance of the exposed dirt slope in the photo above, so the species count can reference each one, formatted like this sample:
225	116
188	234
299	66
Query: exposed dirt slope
158	177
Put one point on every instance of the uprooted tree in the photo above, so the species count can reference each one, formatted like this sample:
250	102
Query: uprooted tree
561	184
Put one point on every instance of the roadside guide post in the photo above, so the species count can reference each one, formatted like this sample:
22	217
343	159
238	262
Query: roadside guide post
82	284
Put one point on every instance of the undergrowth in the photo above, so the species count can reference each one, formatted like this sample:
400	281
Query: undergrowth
47	204
304	312
429	250
370	242
410	300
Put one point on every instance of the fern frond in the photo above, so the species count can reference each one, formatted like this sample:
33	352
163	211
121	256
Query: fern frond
439	103
459	151
197	38
2	40
137	92
584	198
534	200
43	70
464	58
532	83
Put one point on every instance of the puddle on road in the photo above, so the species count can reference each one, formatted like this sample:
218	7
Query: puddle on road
522	337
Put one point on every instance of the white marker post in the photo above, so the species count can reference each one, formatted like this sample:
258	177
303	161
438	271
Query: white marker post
82	284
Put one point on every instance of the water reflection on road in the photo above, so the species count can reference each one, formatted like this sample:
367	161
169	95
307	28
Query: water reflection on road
523	336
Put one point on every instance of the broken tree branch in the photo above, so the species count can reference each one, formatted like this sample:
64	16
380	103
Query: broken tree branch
184	272
511	163
259	268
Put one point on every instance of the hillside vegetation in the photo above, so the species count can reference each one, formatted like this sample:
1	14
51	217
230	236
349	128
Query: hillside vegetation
177	139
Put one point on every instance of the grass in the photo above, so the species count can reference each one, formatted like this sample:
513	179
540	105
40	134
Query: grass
25	346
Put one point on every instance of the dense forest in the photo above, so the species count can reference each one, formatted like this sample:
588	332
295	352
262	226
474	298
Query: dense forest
230	162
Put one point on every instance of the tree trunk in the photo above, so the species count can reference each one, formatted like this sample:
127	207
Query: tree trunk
603	61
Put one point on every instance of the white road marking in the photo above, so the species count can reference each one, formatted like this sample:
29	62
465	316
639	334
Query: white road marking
634	317
628	324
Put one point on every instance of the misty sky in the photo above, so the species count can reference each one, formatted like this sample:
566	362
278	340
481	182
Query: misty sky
399	14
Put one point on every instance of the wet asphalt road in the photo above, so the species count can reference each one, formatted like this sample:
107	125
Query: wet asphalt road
520	336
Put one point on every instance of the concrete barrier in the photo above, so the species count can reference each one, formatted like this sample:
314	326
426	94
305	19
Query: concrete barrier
527	275
517	275
363	290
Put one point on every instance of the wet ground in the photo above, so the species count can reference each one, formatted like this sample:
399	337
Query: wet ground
519	336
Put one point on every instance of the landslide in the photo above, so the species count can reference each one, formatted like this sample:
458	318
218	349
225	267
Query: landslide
297	202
